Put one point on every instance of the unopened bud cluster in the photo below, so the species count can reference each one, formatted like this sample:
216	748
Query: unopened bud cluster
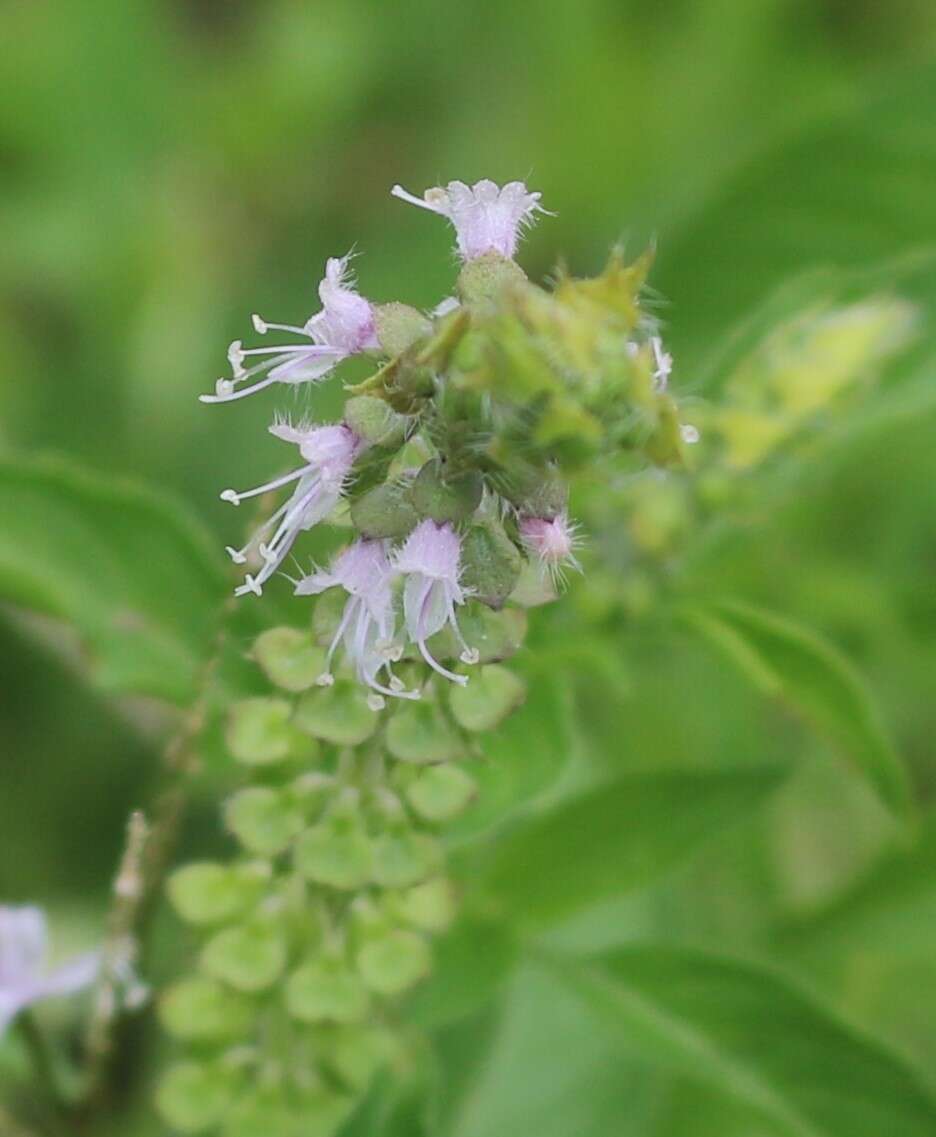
451	464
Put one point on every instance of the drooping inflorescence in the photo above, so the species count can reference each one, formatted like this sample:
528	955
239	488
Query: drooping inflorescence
449	472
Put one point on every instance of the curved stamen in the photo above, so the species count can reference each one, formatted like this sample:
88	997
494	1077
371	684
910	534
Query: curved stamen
461	680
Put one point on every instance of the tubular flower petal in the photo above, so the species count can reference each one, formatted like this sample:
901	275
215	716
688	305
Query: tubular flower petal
329	453
345	326
368	624
486	218
430	562
24	979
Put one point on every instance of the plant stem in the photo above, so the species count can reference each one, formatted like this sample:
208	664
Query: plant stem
44	1068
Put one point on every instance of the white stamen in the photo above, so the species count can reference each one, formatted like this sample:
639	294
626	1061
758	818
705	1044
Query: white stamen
376	702
260	325
236	555
230	495
470	655
690	434
326	679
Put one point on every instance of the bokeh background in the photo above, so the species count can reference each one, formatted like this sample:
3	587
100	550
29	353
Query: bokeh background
168	167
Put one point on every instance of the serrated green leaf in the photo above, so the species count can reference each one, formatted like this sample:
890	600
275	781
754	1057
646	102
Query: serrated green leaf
130	570
787	662
755	1038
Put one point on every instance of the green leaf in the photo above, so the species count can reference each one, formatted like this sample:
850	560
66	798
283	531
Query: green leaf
131	571
757	1039
851	190
521	759
618	837
789	663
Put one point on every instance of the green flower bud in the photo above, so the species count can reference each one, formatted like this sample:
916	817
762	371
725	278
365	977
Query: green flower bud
441	499
194	1096
665	445
385	511
490	563
392	961
209	893
356	1053
265	1111
483	279
375	421
326	989
289	658
201	1010
418	732
399	326
429	906
488	699
264	820
493	635
337	851
259	731
403	857
442	792
338	714
250	957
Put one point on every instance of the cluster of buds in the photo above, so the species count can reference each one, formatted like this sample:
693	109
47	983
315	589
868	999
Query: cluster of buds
451	460
451	465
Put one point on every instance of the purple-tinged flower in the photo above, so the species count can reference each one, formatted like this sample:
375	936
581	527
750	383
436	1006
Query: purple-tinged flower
24	978
552	541
329	453
345	326
486	217
368	624
430	562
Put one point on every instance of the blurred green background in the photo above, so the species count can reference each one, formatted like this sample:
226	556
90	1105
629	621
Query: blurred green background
168	167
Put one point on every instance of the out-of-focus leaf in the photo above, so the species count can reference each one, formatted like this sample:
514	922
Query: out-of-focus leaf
755	1038
849	191
891	913
789	663
548	1073
521	759
617	837
470	965
128	569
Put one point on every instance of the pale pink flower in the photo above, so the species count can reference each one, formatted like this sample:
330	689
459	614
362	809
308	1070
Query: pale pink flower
329	453
24	976
430	563
486	218
345	326
552	541
368	623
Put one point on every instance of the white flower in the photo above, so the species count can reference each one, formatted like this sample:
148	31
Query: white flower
368	624
345	326
430	562
329	452
553	541
24	978
486	218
